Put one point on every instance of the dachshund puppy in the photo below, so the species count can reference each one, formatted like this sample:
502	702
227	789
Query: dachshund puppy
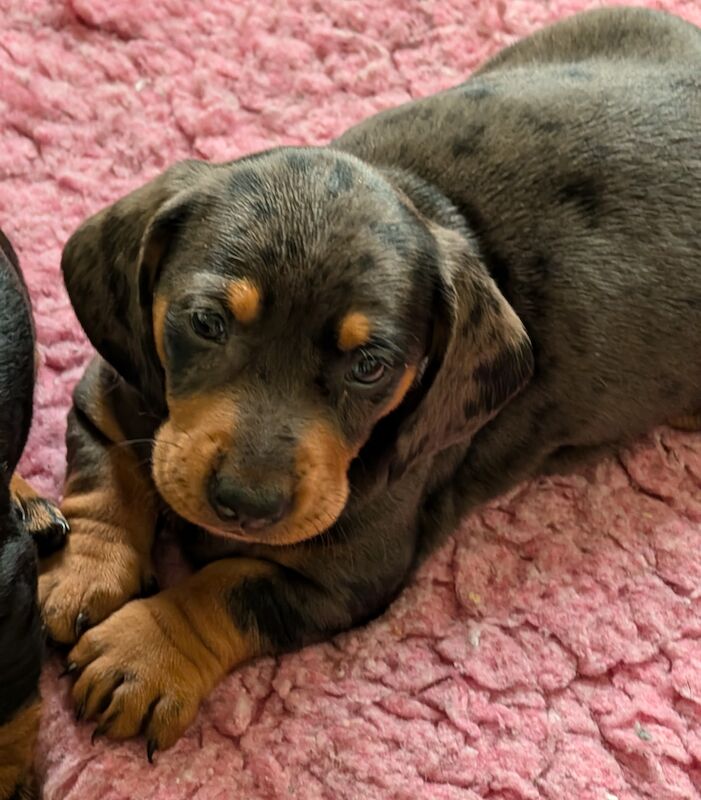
313	361
22	513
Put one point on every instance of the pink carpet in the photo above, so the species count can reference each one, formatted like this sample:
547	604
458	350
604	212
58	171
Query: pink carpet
552	648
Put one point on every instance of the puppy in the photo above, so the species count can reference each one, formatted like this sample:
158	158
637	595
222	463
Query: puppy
313	361
22	513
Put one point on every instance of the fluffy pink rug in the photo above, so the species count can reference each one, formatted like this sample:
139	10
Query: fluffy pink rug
552	648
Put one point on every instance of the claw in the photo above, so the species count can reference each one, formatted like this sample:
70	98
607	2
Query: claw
102	728
63	523
151	748
82	623
69	670
21	509
80	711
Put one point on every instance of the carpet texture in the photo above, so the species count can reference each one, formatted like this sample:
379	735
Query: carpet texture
552	648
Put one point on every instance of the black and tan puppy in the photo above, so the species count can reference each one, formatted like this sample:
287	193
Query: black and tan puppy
22	514
324	356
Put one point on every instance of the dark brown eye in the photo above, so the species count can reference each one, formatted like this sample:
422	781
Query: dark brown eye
367	370
208	325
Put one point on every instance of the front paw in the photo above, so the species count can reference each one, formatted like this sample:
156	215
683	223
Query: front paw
40	517
87	581
141	672
44	523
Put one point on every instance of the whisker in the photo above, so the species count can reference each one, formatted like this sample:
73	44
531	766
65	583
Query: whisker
129	442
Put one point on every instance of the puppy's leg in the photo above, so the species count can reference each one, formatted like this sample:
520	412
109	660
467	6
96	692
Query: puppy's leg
41	518
17	738
148	666
111	509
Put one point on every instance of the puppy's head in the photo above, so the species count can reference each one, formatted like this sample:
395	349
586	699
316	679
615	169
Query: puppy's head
294	315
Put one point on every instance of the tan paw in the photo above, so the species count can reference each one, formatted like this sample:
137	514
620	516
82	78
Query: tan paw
138	674
87	581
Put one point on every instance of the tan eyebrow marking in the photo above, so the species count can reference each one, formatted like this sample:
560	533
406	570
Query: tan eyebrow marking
244	300
354	331
405	383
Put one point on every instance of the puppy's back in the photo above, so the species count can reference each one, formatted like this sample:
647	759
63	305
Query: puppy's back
613	34
574	157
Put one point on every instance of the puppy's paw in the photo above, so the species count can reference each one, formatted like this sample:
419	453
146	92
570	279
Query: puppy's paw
138	676
40	517
44	523
87	581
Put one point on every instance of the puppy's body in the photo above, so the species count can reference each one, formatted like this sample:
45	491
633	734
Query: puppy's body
21	514
519	255
575	159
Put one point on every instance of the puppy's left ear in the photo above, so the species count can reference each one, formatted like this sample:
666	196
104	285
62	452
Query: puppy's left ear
481	357
110	267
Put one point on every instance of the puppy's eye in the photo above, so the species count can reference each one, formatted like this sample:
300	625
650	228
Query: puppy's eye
208	325
367	370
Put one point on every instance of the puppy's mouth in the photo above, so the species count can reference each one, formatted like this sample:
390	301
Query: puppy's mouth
314	508
199	476
237	533
294	528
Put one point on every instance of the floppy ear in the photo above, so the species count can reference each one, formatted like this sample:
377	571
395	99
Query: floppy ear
481	357
110	266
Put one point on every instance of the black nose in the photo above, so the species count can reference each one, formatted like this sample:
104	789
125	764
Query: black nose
251	508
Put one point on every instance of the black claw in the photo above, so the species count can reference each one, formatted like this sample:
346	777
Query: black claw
21	509
80	711
103	727
69	670
151	748
82	623
63	524
59	524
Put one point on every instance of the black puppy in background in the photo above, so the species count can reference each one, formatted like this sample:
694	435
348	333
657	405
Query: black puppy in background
25	519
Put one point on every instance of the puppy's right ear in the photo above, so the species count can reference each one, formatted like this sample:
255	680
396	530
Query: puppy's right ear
110	267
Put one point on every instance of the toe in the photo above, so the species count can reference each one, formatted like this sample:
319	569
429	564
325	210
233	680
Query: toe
58	617
87	649
170	718
94	689
129	710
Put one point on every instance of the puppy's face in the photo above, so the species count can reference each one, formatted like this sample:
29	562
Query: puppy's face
291	316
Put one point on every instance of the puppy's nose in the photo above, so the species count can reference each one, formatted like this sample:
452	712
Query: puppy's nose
251	508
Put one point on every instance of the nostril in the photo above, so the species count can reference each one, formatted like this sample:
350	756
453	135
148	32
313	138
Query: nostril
252	508
279	507
221	499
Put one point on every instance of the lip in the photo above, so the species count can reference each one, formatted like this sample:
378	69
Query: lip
237	533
